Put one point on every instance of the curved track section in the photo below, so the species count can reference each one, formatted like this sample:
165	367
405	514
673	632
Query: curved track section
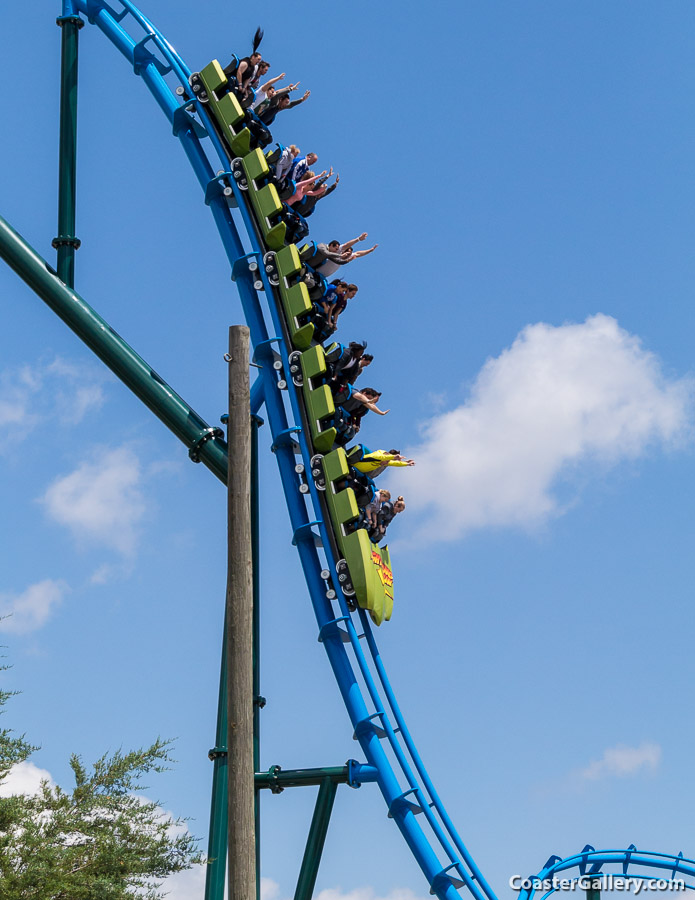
598	865
347	637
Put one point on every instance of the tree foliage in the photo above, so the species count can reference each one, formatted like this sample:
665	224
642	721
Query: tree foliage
102	840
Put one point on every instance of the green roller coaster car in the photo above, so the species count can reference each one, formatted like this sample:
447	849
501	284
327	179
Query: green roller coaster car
226	111
369	565
295	297
264	199
318	400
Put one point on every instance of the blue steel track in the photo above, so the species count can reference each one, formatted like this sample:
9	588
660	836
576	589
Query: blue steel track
378	724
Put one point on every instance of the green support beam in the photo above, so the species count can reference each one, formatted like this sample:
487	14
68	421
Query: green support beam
258	701
316	839
205	444
593	891
66	243
217	837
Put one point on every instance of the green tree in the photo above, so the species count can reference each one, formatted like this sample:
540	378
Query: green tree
102	840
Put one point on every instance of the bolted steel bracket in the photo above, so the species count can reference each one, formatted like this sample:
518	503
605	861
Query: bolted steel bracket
207	435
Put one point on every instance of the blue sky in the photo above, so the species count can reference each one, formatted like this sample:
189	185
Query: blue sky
527	172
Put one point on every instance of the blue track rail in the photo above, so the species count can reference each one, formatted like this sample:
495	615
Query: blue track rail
599	865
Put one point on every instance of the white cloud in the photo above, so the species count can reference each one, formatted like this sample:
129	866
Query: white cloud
190	885
367	893
558	397
30	610
101	500
24	778
79	390
102	574
16	389
186	885
621	761
57	391
270	890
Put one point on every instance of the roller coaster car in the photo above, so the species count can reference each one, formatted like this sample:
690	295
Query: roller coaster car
252	174
283	269
329	424
367	570
280	225
208	86
318	400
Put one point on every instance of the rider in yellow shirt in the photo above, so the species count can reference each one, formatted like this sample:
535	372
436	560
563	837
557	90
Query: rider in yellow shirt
374	462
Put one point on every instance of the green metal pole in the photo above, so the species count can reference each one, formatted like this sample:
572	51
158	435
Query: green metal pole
316	840
217	839
66	243
593	892
258	701
205	443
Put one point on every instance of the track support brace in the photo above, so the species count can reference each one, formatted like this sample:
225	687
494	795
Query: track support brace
328	778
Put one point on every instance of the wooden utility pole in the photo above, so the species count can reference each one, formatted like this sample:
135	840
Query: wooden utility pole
239	638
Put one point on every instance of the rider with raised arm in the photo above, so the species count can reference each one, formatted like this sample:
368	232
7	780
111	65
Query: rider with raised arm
375	462
308	204
358	403
336	254
270	108
273	95
302	188
262	92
